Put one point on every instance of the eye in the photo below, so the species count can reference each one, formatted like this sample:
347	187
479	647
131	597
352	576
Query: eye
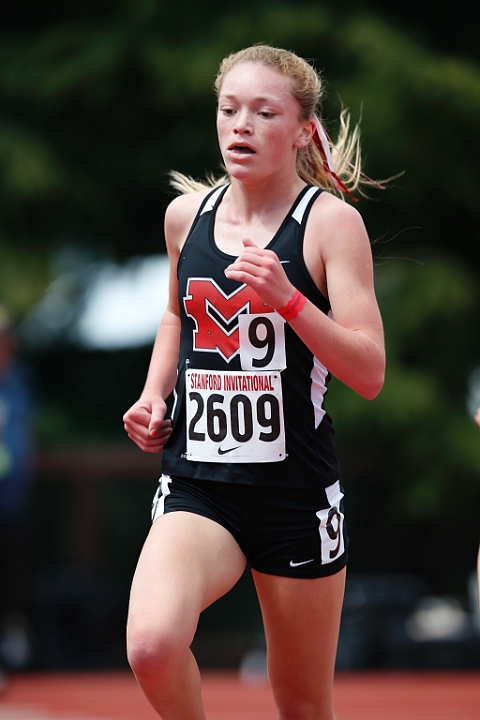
266	113
228	111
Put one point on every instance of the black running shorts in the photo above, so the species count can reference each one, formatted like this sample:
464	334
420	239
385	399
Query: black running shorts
281	531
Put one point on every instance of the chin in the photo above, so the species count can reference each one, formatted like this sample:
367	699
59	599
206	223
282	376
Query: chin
242	174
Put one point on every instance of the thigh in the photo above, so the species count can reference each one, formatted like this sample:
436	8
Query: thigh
187	562
302	619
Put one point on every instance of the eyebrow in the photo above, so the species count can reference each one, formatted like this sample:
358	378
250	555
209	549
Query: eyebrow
260	98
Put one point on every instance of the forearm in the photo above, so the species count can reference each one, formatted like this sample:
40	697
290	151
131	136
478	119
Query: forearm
351	346
162	372
355	357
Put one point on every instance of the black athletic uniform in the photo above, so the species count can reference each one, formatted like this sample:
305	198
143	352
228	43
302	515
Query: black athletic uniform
251	445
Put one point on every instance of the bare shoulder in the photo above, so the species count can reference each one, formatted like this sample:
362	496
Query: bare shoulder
337	248
179	217
339	224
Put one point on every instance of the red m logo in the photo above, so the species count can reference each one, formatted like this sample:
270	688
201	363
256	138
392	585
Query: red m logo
216	315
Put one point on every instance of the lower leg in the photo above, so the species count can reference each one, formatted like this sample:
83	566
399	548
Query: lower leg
301	619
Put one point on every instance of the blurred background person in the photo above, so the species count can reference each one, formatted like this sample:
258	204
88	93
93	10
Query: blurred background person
15	479
477	420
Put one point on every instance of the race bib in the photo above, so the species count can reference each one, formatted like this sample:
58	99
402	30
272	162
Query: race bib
234	417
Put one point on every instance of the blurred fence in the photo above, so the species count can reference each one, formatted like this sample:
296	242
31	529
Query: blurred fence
89	517
88	520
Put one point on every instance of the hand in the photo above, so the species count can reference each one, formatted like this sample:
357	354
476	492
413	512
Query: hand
263	272
146	425
477	417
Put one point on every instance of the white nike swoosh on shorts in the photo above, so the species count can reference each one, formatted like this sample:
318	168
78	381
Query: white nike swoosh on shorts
304	562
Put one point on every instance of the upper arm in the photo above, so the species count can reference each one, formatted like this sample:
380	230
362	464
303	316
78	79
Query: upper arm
179	217
345	253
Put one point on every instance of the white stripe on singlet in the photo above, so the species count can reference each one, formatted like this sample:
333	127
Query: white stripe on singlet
318	389
301	208
212	200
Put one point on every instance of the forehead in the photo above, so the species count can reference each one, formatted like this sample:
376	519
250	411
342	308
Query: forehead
255	79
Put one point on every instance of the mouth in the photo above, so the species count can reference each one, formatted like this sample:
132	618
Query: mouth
241	149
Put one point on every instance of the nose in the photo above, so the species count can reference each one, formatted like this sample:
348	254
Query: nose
242	123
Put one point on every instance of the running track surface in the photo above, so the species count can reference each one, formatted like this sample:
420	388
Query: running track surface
358	696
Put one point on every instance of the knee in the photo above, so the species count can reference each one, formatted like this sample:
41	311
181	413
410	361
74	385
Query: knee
153	653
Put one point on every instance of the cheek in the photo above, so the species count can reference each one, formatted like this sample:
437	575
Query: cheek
279	143
222	128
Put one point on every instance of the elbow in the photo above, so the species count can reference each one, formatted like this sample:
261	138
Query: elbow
366	378
371	389
368	388
372	383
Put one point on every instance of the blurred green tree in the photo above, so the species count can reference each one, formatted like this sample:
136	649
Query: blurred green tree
411	458
100	100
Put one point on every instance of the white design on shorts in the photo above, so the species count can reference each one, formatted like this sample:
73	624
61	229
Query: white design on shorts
158	504
331	525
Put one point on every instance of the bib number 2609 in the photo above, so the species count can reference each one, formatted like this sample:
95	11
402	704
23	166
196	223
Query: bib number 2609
234	417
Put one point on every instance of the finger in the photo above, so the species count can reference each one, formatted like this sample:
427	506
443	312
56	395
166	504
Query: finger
259	259
137	414
157	418
248	243
137	434
157	428
250	263
148	444
135	427
141	430
149	449
243	276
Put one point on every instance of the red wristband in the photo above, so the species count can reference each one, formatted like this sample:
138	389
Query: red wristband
291	310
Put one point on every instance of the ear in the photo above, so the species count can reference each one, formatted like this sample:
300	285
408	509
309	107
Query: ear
305	134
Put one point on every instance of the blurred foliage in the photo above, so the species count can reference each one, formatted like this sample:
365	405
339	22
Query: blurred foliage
100	99
411	458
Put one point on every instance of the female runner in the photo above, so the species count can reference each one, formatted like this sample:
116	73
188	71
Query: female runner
271	290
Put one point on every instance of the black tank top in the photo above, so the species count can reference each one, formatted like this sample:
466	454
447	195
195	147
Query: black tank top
227	348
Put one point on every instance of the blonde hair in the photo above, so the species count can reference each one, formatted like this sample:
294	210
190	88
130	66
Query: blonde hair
307	89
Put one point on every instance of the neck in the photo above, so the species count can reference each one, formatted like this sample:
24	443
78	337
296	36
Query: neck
263	197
